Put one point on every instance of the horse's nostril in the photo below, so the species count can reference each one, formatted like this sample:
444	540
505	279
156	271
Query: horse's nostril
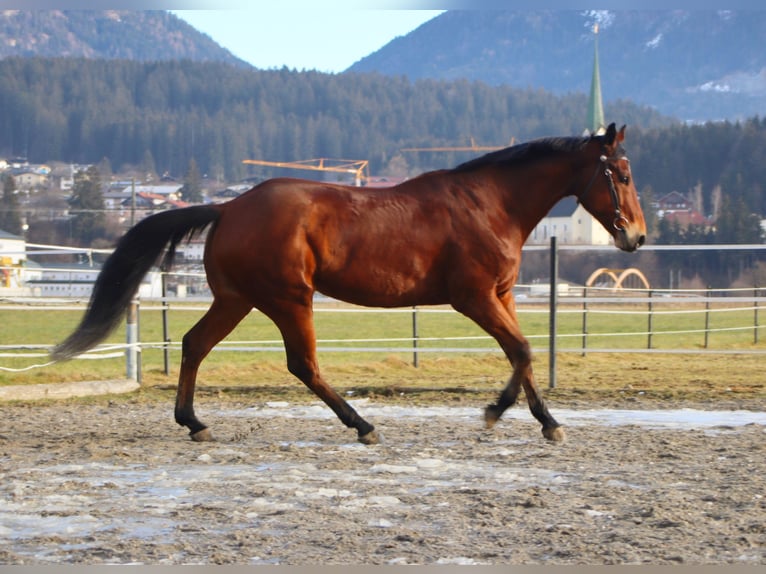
641	240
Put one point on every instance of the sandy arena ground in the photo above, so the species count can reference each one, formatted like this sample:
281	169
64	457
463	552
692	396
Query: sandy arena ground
110	482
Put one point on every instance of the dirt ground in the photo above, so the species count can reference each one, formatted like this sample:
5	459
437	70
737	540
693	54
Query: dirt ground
118	482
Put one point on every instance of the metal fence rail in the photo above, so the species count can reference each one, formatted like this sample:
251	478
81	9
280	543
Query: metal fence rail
577	329
693	320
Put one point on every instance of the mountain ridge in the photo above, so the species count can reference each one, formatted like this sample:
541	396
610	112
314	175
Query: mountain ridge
695	65
142	35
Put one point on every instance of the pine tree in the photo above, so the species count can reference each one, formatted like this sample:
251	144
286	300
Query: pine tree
650	213
87	204
148	169
191	191
737	224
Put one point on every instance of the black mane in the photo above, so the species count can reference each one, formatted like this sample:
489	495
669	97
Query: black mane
526	152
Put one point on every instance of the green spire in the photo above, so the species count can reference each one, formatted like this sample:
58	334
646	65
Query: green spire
596	124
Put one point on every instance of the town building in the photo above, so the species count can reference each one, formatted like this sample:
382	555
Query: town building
571	224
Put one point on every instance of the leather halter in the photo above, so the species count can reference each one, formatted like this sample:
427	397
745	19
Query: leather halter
620	221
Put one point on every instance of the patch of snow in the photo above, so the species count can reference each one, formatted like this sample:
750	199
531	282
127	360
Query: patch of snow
670	418
654	42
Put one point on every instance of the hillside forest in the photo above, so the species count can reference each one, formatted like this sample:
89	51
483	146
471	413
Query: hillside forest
160	118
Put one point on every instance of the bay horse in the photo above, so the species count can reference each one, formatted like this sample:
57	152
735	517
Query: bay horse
450	236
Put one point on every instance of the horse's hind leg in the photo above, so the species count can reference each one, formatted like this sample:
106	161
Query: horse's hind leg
295	322
220	319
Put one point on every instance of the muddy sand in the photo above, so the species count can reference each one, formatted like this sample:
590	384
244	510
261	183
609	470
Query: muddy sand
110	482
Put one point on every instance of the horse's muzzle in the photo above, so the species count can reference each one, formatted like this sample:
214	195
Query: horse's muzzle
629	241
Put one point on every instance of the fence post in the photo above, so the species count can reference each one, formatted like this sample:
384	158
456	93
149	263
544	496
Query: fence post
552	314
649	326
414	336
131	338
584	319
707	316
755	314
165	330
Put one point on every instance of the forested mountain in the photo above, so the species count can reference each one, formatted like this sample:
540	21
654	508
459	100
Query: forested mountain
694	65
163	115
167	113
142	35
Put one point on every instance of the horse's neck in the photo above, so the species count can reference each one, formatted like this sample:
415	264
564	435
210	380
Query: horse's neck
533	191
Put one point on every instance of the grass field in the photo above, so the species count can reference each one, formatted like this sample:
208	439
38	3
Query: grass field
735	371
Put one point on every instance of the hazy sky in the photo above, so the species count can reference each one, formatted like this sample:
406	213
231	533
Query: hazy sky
304	35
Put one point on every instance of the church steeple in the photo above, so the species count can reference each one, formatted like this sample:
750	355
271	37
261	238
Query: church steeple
596	124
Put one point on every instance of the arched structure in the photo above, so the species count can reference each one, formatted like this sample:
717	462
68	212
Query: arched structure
619	278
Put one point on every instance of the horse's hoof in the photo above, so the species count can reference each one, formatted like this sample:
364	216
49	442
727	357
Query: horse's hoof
555	434
372	437
202	436
490	416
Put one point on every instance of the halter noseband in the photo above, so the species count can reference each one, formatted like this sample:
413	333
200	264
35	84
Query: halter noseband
620	221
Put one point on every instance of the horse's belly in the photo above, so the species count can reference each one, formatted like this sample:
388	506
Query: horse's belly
373	287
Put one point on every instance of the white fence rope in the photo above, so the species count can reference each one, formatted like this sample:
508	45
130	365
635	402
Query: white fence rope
28	368
656	312
599	301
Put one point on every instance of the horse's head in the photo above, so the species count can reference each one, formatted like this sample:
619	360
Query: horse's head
610	195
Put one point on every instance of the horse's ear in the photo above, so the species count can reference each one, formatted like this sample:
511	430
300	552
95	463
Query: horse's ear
612	136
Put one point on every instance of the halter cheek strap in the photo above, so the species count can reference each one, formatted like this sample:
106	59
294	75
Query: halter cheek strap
620	221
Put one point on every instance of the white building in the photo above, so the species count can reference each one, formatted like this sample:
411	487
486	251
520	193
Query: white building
12	257
61	280
12	247
192	251
571	224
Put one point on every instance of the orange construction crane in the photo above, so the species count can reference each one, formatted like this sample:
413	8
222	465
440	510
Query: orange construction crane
472	147
357	167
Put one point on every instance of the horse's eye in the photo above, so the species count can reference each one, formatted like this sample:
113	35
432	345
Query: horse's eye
625	179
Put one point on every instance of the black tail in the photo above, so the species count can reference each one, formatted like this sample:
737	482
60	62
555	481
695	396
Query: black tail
121	275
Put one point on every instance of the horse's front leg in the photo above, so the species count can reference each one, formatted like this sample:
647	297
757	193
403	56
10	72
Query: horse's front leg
497	316
522	376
